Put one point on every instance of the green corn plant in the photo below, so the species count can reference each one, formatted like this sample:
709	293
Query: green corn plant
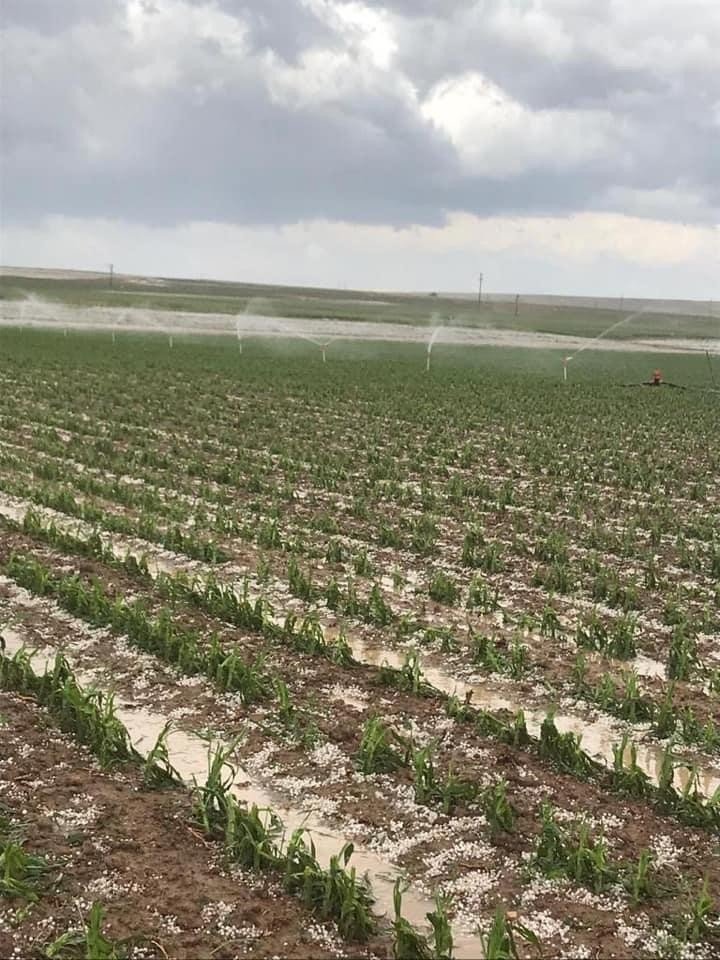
157	771
682	655
581	858
472	542
499	812
332	594
335	552
286	710
518	659
639	881
551	849
621	640
425	782
251	835
459	710
345	898
592	634
441	930
378	612
550	625
300	583
665	720
335	893
409	677
588	862
482	597
362	565
694	925
666	775
517	734
268	535
490	559
211	799
500	943
21	873
485	653
340	652
90	943
443	589
378	751
247	679
633	705
579	674
565	750
453	790
408	943
629	777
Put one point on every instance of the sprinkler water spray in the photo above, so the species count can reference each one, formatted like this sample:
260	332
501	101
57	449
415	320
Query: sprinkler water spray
432	340
603	333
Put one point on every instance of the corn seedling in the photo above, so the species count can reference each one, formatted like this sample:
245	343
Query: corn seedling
499	943
89	943
379	749
499	812
21	873
639	881
695	924
627	775
481	596
408	943
581	858
550	625
443	589
682	655
564	749
157	770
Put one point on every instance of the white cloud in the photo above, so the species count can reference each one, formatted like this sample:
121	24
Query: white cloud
497	136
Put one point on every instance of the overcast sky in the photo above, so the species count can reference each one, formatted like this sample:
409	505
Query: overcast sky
562	146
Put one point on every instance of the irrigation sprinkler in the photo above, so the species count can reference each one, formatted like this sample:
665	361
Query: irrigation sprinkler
322	344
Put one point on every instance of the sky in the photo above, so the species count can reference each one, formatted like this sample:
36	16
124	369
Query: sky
556	146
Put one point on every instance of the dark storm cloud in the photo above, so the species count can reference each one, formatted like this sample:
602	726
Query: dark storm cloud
194	123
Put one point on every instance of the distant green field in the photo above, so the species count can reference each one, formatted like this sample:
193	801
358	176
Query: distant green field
232	298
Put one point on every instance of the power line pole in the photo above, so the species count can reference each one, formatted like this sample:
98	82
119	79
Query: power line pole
112	270
480	289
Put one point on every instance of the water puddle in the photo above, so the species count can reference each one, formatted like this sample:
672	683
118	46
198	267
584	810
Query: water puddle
189	756
598	736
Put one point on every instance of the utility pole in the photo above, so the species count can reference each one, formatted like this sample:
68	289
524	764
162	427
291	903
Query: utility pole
517	304
480	289
112	270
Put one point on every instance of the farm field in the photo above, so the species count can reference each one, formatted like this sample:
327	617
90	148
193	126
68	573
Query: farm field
353	659
42	295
